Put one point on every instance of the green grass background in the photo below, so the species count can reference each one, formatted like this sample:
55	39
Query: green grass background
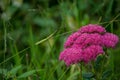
32	34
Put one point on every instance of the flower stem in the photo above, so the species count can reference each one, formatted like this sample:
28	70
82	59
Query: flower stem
81	78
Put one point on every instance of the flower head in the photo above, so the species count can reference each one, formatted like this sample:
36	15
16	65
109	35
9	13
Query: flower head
92	28
89	39
110	40
91	52
69	42
71	55
86	44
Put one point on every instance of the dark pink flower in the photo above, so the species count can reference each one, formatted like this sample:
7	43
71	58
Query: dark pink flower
81	38
70	40
86	44
92	28
91	52
86	39
71	55
110	40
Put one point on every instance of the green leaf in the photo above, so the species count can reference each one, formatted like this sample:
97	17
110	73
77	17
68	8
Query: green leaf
88	75
43	40
15	70
44	22
106	74
3	71
26	74
98	63
73	75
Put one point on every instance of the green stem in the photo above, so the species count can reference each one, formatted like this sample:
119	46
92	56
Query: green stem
81	78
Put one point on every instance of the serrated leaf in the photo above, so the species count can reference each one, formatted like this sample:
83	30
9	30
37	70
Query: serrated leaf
88	75
98	63
26	74
106	74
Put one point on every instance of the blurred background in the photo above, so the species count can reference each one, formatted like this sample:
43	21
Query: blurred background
32	34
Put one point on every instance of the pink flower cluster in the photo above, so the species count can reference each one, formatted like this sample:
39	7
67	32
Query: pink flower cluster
86	44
